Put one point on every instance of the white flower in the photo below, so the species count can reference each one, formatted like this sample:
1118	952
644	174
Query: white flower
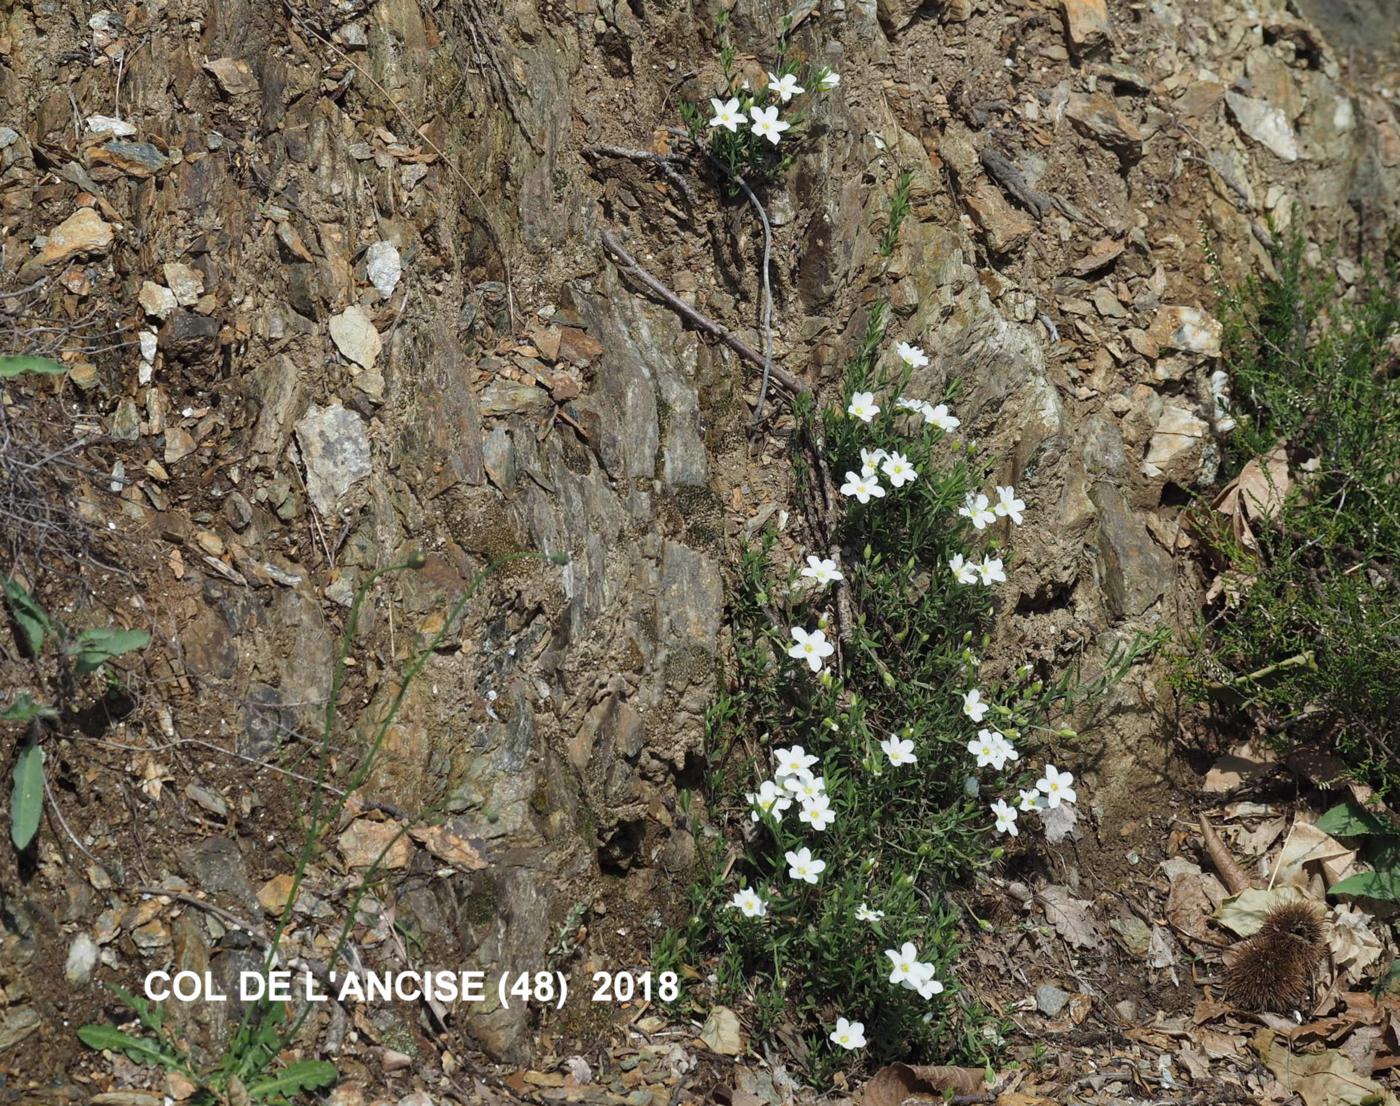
829	80
870	461
991	571
766	124
918	406
1008	750
862	487
1008	506
802	865
899	751
965	571
771	798
812	648
805	787
849	1035
984	748
973	706
899	470
785	87
911	355
817	812
748	901
1055	786
1031	800
975	507
728	115
905	961
941	417
795	761
1006	817
924	981
863	406
823	570
866	914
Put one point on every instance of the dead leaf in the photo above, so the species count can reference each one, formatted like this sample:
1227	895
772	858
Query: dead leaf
1354	945
1071	917
366	842
1255	495
1308	845
892	1084
1059	822
446	845
1188	907
722	1033
1243	914
1327	1078
1240	765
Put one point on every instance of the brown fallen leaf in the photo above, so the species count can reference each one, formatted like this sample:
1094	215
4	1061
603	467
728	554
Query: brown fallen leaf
893	1084
1255	495
446	845
722	1033
1071	917
1326	1078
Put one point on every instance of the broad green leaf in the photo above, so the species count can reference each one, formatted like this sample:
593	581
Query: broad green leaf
1350	820
136	1049
25	709
1371	885
11	367
304	1075
94	648
33	622
27	799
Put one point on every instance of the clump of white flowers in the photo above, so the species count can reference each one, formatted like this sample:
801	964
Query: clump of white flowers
885	473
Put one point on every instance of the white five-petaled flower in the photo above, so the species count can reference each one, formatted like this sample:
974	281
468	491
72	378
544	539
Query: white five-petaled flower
924	981
803	866
749	903
973	706
965	571
784	87
1031	800
770	798
1008	506
899	470
1008	750
1006	817
812	648
870	461
766	124
1056	787
829	80
822	569
863	406
817	812
864	488
728	114
987	749
976	507
899	751
795	761
918	406
866	914
991	571
805	787
941	417
848	1034
911	355
905	961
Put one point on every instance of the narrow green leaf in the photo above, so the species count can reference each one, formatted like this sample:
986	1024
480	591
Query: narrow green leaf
11	367
33	622
94	648
304	1075
136	1049
1371	885
1350	820
25	709
27	799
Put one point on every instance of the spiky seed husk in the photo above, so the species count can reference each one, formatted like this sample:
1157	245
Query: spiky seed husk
1274	969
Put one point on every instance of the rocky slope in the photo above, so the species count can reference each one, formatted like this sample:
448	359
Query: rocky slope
366	238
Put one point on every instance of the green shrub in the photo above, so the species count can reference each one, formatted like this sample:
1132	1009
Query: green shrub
1307	643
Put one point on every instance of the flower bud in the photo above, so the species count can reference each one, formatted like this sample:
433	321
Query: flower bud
417	559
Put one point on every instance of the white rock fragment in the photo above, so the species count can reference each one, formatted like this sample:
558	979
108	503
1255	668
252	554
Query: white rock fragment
335	449
383	267
185	282
1266	124
156	300
354	335
110	124
82	958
